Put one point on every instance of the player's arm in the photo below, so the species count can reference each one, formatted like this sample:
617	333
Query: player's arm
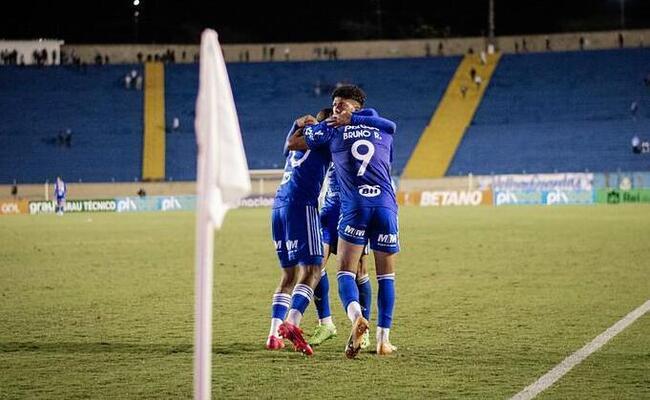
364	117
296	141
295	138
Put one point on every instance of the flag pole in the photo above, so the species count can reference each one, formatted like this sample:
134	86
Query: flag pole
222	179
203	301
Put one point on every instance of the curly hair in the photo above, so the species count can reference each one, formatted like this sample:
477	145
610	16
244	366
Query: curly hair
350	92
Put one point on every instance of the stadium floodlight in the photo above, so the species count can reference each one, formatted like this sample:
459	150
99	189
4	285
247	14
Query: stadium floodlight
136	3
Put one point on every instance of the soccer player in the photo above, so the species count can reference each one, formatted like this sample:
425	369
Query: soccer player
329	217
361	146
60	191
296	234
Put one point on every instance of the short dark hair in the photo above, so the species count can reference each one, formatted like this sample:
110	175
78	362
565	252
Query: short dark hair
324	114
350	92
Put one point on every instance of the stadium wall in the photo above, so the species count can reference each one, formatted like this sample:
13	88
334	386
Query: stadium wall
364	49
494	190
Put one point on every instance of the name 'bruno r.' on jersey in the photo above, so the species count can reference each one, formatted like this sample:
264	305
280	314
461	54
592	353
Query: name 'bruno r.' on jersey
362	155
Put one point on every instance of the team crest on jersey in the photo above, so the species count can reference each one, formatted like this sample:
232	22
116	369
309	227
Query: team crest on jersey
286	177
369	191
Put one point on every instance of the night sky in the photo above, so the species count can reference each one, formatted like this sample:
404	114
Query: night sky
113	21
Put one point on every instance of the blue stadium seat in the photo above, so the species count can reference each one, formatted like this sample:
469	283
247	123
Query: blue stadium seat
269	96
36	104
567	111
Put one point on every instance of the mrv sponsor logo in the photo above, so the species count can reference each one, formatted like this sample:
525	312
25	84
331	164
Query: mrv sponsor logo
389	239
354	231
369	191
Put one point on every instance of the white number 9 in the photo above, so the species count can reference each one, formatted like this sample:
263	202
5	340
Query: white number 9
364	158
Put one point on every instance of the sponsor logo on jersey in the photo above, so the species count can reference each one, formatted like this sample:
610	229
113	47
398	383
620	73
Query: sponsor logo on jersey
369	191
389	239
291	245
278	244
354	231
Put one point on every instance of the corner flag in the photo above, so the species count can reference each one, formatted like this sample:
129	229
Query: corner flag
221	179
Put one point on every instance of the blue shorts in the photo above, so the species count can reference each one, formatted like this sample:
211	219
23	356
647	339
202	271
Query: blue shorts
296	234
379	225
329	221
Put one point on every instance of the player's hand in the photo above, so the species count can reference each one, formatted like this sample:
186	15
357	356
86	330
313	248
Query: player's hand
336	120
306	120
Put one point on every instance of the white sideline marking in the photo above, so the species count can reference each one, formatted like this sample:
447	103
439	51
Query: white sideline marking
576	358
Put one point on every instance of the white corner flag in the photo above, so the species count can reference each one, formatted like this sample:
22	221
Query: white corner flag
221	179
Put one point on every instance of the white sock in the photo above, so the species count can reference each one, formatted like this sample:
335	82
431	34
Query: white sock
275	324
382	335
294	317
326	321
354	311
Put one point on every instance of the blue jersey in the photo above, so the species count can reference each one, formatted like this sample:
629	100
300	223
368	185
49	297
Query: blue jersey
332	198
303	177
60	189
362	155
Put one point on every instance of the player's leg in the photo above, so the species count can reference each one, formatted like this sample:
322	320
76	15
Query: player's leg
385	263
384	240
280	306
282	295
307	250
352	239
365	293
326	328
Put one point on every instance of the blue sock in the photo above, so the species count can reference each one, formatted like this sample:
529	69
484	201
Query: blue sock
322	296
302	295
348	291
280	305
385	300
365	295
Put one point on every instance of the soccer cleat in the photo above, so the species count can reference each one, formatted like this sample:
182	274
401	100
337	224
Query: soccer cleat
294	335
365	343
322	333
274	343
353	346
385	349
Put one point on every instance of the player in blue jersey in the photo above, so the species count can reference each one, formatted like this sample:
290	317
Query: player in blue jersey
361	145
297	238
329	218
60	191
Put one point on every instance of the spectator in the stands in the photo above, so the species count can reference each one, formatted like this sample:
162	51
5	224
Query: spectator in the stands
548	43
621	40
634	109
582	43
636	145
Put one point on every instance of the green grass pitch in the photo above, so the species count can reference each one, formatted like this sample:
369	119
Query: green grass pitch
488	299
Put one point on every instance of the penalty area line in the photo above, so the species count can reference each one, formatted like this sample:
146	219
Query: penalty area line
576	358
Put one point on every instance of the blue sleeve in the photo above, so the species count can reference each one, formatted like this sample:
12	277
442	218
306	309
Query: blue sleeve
378	122
285	150
318	135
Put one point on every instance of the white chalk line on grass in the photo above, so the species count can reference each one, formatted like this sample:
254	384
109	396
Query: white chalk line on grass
576	358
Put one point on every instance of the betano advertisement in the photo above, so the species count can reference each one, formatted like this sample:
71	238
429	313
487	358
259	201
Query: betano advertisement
445	198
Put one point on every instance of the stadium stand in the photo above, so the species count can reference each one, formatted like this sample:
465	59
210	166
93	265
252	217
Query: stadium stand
270	95
105	120
566	111
441	137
